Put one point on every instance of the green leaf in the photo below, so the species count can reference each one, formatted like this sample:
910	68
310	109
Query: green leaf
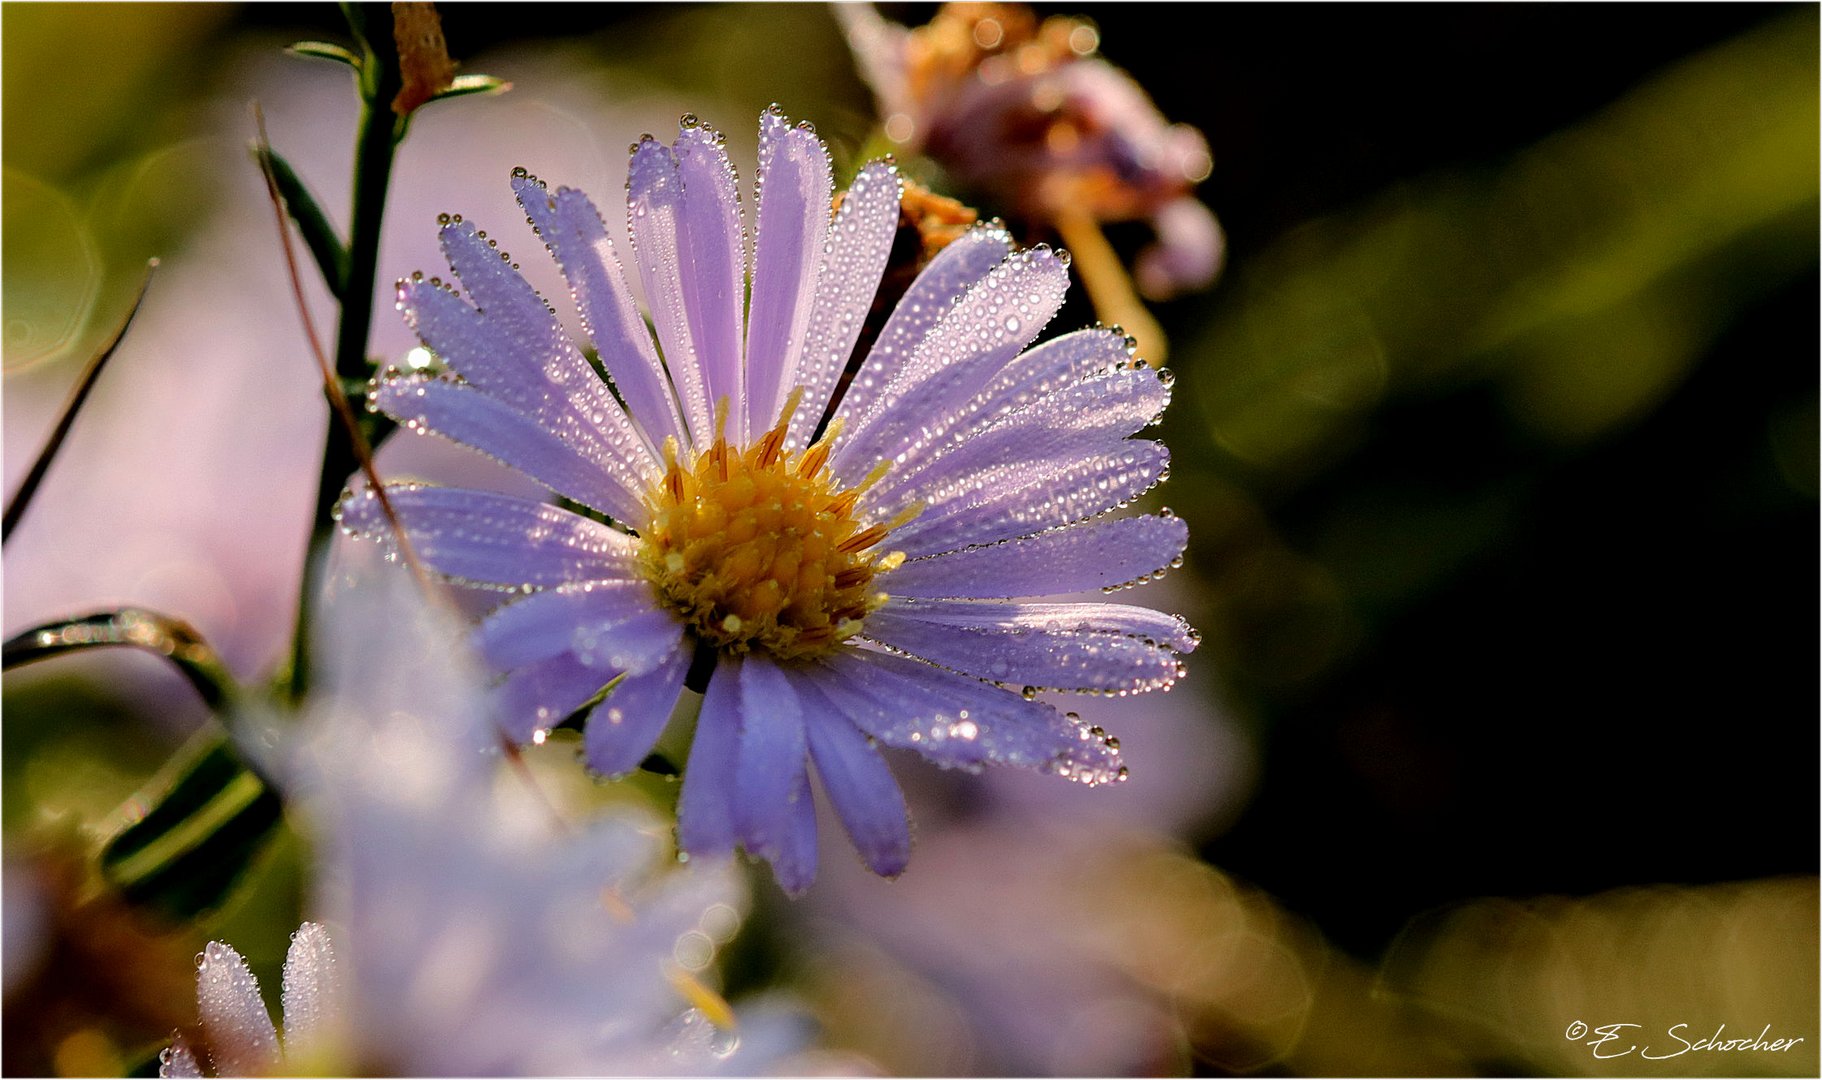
325	50
131	628
185	855
319	235
464	85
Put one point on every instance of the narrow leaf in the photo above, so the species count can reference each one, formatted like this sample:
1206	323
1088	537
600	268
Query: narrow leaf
464	85
319	235
324	50
185	855
138	628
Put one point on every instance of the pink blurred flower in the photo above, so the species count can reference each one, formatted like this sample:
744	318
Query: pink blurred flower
1028	114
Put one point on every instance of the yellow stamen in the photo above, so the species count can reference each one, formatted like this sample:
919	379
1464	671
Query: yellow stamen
761	548
713	1005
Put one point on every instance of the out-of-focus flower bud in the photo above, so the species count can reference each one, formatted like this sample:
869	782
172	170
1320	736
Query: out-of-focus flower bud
1026	113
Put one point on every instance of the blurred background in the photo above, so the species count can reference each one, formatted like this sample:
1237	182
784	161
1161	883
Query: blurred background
1497	438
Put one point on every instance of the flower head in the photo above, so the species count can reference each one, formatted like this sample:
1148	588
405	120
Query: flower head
850	552
1029	114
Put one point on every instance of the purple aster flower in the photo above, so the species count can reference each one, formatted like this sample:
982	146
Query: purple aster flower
855	558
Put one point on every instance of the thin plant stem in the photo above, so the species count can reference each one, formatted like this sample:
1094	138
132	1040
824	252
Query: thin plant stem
379	133
1109	286
345	428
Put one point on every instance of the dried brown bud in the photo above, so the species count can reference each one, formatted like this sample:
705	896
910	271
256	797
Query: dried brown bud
938	219
424	61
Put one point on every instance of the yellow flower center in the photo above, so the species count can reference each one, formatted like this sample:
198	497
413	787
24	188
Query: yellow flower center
762	549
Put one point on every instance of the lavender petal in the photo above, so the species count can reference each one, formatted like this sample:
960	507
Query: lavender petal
178	1060
710	238
632	647
954	720
705	809
860	238
312	993
472	418
769	768
860	785
541	695
952	406
959	265
654	198
621	730
548	623
578	239
1048	659
1088	417
793	189
241	1039
994	320
1101	554
794	865
1147	624
998	501
563	375
489	539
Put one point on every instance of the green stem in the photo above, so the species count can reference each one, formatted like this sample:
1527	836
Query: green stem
379	135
